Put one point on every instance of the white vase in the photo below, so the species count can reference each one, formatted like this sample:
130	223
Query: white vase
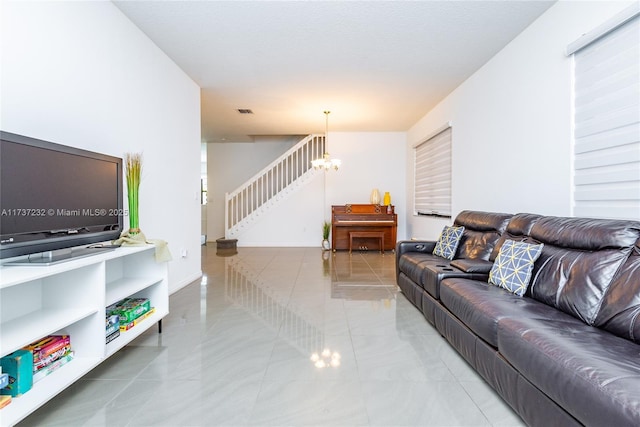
325	245
375	197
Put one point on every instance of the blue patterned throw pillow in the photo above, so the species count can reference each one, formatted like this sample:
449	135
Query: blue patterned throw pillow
513	266
447	243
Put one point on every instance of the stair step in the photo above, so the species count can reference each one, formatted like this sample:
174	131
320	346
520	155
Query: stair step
226	247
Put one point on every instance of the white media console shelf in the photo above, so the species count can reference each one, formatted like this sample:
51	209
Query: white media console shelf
70	298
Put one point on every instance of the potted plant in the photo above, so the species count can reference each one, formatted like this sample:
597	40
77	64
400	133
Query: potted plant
133	164
326	229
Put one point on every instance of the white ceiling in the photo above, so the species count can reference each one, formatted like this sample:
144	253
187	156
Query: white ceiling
376	65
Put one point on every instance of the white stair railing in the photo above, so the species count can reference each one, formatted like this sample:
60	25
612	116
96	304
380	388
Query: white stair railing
282	176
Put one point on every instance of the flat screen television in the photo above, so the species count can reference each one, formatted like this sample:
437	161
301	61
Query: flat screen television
54	197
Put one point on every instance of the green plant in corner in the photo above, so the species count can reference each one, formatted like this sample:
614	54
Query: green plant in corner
326	229
133	165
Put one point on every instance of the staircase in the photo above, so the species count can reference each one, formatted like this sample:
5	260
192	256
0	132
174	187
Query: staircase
283	176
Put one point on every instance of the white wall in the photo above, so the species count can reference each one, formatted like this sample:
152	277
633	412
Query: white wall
295	222
81	74
512	135
369	160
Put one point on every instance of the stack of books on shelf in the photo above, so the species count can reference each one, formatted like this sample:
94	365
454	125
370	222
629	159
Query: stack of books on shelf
49	354
30	364
131	311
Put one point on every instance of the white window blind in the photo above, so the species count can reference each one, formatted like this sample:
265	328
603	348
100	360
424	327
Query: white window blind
607	125
432	194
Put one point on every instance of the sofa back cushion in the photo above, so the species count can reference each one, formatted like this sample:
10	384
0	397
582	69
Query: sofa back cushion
620	309
518	229
482	231
579	261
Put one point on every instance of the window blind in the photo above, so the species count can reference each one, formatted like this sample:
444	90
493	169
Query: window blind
607	125
432	189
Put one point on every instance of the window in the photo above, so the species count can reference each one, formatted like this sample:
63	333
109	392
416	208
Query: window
432	186
607	119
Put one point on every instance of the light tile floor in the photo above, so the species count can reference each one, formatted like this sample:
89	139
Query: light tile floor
236	351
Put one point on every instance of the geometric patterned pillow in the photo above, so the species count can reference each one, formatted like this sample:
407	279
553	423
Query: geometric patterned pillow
513	266
447	243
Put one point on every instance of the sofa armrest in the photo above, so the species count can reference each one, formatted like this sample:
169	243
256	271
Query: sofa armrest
422	246
472	265
406	246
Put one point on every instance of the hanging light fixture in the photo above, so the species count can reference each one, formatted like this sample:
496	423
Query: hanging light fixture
326	162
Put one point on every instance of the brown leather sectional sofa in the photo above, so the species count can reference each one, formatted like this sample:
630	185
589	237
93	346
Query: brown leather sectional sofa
568	351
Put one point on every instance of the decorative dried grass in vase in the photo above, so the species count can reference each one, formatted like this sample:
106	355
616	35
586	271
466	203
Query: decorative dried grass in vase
133	164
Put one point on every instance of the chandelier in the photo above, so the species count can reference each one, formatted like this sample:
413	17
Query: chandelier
326	162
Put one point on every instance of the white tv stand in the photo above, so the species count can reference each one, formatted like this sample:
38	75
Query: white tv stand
70	298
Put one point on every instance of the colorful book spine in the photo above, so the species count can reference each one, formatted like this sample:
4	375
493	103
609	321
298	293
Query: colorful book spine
53	367
50	358
45	347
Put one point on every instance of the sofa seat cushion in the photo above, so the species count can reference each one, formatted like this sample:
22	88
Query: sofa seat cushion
592	374
480	306
434	274
413	265
428	271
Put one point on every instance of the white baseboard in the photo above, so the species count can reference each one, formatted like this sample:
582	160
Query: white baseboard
185	282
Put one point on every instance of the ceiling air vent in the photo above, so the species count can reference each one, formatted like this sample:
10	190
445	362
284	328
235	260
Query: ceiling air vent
244	111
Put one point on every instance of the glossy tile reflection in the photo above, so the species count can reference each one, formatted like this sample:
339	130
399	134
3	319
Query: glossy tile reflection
284	337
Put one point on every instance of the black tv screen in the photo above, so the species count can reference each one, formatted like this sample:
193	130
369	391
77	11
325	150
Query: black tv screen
53	196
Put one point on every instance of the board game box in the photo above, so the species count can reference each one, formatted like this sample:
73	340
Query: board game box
112	336
129	309
113	323
48	349
137	320
4	380
19	366
52	367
